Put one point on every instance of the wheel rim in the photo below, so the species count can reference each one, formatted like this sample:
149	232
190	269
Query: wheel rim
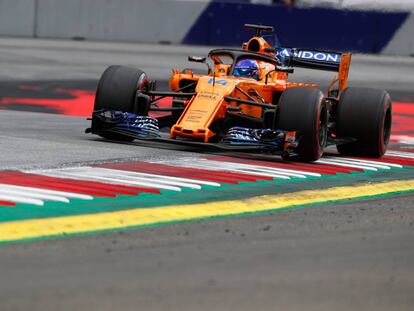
387	127
322	128
322	136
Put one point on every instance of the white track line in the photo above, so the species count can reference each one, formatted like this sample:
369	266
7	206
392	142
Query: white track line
403	139
351	161
240	168
107	179
101	172
220	169
280	175
407	155
19	199
65	194
294	173
331	162
368	161
44	197
401	152
258	170
156	177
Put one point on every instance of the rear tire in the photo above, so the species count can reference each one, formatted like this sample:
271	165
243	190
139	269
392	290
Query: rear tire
304	110
365	115
117	90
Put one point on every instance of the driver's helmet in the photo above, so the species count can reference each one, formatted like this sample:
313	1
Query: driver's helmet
246	68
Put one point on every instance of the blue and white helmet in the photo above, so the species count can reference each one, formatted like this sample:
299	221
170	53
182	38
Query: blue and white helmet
247	68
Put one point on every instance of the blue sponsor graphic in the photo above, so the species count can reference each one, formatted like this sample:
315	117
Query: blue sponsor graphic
219	82
309	55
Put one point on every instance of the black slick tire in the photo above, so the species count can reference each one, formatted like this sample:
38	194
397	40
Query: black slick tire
364	114
304	110
117	90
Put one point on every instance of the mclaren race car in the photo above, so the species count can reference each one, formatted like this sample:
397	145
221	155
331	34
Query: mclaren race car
245	101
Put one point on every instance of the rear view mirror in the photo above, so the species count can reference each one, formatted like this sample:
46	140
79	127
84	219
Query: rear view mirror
196	59
285	69
199	59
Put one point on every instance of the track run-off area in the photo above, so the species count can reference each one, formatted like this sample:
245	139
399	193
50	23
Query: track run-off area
120	221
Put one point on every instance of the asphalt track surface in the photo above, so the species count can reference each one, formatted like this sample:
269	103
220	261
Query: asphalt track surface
342	256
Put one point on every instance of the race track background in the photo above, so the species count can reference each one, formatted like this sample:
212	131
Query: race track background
345	224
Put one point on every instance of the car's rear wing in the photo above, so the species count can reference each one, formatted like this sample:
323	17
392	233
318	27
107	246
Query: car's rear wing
320	60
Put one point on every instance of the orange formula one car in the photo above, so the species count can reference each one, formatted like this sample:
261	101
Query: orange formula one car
246	101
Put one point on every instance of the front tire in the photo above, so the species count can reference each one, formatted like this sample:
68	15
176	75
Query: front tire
365	115
117	90
304	110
